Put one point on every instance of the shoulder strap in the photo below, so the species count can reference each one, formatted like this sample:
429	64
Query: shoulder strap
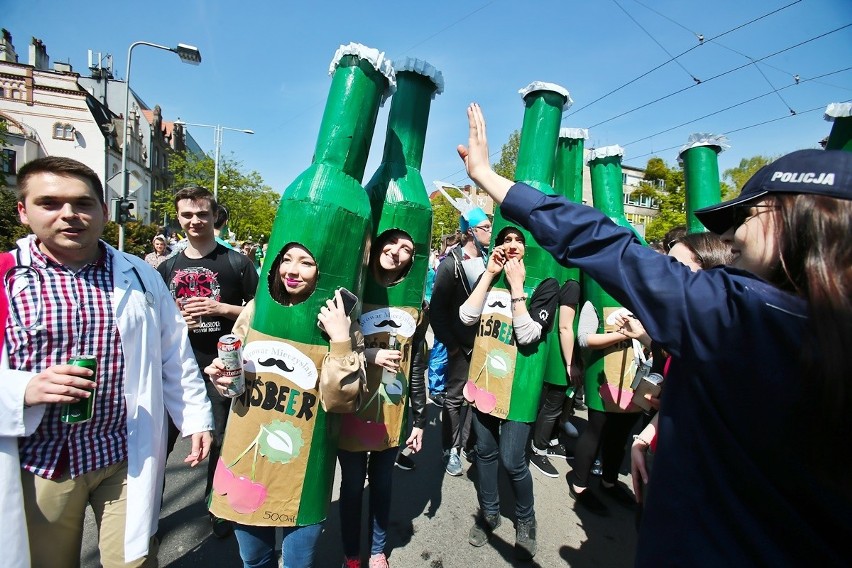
170	264
235	258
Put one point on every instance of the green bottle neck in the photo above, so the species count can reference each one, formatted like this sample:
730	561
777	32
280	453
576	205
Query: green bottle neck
607	186
568	177
840	137
701	180
407	120
350	115
539	133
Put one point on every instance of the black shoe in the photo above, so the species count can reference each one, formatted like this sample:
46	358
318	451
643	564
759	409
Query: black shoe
559	451
469	455
220	527
588	500
405	462
525	544
482	528
437	398
578	405
541	463
620	495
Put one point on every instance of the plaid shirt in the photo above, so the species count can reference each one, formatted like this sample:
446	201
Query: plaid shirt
78	319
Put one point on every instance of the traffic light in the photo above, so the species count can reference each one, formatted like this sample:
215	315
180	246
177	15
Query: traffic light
121	211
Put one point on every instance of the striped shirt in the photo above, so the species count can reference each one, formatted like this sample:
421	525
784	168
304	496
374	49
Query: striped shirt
76	319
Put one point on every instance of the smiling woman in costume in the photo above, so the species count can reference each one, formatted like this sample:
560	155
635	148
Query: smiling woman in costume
498	305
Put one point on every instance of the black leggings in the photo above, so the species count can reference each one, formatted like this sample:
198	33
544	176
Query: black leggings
607	431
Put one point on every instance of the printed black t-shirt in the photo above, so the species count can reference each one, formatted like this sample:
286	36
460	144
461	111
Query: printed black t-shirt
211	277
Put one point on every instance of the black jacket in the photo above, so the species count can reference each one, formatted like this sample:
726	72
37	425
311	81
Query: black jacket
419	364
450	291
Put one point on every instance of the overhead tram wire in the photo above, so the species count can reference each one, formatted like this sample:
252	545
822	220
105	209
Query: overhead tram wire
650	35
802	113
728	72
645	74
720	44
720	111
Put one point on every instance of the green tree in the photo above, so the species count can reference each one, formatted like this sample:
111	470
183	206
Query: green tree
137	237
10	225
509	156
671	197
733	179
251	203
445	219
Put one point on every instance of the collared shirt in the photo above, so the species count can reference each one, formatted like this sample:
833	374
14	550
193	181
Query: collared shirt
77	319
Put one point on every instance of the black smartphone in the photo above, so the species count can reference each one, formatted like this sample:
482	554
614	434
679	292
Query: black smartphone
350	300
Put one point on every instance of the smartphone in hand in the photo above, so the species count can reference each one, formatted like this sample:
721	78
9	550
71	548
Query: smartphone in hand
350	300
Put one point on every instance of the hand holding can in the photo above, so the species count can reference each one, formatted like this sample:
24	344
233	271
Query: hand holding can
82	410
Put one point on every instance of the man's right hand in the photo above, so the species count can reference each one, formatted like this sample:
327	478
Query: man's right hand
60	384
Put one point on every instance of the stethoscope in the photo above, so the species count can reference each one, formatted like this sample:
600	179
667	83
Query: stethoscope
21	277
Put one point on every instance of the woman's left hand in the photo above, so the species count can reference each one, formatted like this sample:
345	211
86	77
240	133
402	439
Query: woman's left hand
334	319
415	441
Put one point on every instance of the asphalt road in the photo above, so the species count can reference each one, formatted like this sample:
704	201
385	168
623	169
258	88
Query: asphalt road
430	518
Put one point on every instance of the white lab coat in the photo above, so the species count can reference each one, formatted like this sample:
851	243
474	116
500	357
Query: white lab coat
160	373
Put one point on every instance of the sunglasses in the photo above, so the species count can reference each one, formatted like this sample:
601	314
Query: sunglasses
744	212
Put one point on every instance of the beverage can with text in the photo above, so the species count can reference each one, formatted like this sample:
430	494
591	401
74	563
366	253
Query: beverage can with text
82	410
230	349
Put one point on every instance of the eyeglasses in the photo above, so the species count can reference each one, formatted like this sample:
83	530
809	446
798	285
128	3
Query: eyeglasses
486	228
744	212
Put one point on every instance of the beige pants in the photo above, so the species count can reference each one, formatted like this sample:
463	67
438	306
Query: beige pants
56	509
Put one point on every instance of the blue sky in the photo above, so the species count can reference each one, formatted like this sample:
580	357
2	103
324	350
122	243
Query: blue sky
265	68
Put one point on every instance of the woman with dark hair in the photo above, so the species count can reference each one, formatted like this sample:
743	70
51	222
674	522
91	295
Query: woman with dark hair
491	308
754	422
372	437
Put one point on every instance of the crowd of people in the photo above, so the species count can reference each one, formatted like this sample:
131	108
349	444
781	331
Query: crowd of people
745	325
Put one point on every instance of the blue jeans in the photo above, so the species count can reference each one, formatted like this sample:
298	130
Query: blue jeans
508	439
353	470
257	546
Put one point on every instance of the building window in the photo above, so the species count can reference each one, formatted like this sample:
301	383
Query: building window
63	131
9	162
16	94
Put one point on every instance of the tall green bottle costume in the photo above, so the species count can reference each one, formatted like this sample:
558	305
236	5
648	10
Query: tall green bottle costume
840	137
505	378
399	200
568	182
609	372
700	159
278	461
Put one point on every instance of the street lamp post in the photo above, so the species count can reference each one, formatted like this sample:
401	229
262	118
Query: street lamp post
188	54
217	141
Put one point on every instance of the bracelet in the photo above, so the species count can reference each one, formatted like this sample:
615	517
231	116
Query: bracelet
519	299
638	438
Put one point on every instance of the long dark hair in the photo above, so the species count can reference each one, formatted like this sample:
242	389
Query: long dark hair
277	290
815	251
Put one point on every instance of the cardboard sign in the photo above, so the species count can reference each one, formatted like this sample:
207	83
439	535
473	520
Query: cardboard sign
492	364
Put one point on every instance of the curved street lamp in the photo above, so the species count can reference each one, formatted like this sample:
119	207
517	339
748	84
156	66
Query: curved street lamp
188	54
217	141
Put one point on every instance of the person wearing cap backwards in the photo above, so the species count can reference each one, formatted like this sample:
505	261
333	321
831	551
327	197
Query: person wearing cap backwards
454	282
754	423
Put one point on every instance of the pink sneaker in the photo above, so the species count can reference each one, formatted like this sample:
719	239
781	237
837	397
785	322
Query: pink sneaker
379	561
351	563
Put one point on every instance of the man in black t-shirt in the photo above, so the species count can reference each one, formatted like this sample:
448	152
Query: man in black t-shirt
210	284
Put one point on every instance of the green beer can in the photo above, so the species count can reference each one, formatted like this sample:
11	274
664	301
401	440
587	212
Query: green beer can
82	410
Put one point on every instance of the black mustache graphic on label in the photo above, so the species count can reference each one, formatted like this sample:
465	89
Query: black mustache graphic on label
388	323
272	362
498	304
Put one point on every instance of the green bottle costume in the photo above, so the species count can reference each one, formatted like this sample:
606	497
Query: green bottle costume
609	372
284	461
700	159
840	137
505	378
399	200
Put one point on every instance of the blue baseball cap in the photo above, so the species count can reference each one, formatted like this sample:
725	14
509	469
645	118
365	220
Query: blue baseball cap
471	218
815	172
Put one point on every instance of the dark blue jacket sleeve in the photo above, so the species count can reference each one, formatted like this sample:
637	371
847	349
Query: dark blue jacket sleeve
676	306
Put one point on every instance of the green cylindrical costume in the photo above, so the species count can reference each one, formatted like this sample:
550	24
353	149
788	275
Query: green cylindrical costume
608	370
840	137
399	200
700	158
513	373
288	457
568	182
